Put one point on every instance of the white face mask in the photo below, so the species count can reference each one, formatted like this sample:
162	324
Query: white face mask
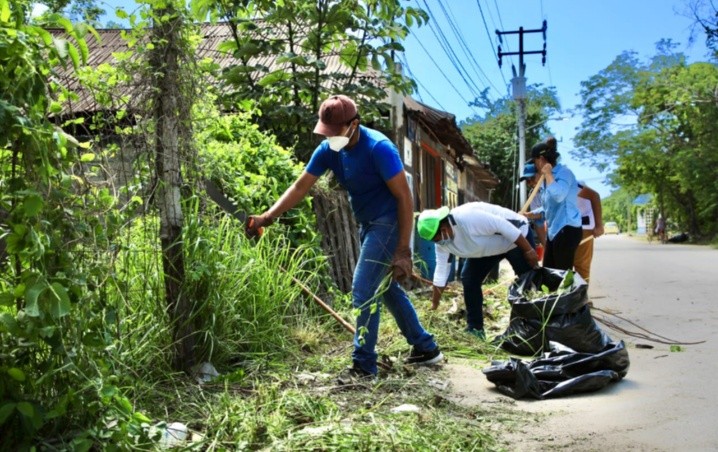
339	142
446	239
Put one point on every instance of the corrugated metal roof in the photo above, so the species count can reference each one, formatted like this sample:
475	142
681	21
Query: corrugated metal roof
213	35
443	126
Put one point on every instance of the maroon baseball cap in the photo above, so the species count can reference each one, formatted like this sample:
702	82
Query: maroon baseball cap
334	114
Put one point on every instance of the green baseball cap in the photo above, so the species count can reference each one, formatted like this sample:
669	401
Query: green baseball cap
428	222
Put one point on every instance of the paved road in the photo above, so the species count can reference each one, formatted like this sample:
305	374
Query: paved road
667	402
668	399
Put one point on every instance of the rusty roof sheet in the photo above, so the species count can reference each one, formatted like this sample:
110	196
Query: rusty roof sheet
439	123
213	35
442	125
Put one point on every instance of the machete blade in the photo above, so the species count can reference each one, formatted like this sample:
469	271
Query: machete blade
224	202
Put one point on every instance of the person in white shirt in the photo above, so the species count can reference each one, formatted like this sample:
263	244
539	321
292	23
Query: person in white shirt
589	204
483	234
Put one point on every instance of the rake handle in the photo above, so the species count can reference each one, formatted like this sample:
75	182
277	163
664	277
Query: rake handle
534	192
349	327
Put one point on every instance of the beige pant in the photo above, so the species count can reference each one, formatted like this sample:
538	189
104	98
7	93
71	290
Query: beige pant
584	255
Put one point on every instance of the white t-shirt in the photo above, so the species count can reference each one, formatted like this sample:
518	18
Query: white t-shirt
584	206
480	229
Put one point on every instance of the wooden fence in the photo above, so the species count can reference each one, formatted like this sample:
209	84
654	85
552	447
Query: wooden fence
340	237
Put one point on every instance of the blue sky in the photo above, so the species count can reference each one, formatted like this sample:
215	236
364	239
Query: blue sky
583	37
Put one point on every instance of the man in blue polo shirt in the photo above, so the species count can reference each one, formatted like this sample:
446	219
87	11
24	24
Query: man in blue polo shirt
367	164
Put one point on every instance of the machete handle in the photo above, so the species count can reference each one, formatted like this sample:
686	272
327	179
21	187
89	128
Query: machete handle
250	225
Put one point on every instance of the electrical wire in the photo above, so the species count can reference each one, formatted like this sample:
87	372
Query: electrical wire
418	82
449	52
449	15
488	34
443	74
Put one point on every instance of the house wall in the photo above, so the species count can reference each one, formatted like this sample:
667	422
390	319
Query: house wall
436	179
470	189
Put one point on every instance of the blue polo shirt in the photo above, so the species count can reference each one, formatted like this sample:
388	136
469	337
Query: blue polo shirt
363	171
560	201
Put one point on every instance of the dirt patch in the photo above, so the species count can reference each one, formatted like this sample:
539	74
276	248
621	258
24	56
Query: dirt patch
543	425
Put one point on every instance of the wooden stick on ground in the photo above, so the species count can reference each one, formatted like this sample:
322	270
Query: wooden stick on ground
349	327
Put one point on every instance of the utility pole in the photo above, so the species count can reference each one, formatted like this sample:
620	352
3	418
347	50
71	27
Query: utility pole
518	87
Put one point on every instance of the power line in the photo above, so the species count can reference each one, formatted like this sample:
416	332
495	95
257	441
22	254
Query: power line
488	34
498	13
446	47
448	14
418	82
442	73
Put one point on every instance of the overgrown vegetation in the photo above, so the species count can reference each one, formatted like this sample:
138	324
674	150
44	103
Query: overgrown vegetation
292	401
86	337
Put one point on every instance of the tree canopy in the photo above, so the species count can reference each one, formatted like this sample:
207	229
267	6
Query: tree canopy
495	140
655	121
293	54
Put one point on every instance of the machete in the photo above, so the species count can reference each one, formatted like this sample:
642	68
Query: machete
228	206
215	193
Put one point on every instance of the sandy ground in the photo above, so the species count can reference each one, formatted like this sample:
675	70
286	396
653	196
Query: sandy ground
667	400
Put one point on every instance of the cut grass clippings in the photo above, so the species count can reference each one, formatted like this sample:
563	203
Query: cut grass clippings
296	404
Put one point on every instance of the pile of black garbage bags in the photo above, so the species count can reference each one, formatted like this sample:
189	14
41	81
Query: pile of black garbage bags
551	321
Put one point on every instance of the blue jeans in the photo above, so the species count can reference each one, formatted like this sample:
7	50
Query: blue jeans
474	272
378	241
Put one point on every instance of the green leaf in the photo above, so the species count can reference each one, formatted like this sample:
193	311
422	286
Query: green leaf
108	391
88	157
16	374
6	299
5	412
676	348
60	305
141	417
74	55
84	50
65	23
8	322
124	405
33	292
26	409
55	107
4	10
44	34
32	205
274	77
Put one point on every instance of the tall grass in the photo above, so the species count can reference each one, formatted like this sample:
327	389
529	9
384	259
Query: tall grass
246	305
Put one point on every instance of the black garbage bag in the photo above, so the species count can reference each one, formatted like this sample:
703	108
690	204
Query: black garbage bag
679	238
560	372
561	314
